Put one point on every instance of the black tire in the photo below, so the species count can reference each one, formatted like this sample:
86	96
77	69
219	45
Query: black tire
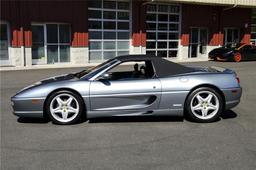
79	103
195	115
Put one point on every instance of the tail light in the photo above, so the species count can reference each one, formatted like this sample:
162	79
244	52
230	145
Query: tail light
238	80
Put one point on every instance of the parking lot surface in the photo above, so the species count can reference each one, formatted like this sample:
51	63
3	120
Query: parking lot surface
130	143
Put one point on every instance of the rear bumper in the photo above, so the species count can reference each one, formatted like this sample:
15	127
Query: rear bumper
232	97
28	107
232	104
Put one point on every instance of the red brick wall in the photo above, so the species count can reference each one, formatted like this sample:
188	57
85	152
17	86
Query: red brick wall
238	17
20	14
215	18
138	23
199	16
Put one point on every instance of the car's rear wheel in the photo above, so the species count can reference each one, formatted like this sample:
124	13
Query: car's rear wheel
204	105
237	57
64	107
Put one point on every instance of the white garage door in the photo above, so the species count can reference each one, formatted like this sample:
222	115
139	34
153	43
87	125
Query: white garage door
109	29
163	23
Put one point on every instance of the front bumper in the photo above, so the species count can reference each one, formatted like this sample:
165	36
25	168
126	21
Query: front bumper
220	57
211	57
28	107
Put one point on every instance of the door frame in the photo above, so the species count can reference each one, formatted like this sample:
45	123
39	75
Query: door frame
225	34
45	60
198	40
38	61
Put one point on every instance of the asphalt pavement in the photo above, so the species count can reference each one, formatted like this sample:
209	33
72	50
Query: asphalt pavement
129	143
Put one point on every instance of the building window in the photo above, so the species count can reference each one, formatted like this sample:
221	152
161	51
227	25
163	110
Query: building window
163	22
109	29
4	43
198	41
253	27
38	50
253	34
232	36
50	43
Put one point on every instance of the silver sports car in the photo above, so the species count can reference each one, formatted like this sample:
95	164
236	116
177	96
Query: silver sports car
132	85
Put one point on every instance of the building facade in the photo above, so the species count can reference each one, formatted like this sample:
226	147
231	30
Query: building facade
37	33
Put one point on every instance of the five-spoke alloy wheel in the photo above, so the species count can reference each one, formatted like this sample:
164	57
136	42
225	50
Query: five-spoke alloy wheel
204	105
64	107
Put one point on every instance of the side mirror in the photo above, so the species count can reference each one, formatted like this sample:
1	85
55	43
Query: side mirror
105	76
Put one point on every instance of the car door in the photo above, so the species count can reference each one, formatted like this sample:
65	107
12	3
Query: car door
253	53
125	95
247	52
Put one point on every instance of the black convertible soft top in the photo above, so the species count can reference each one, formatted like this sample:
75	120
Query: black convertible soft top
162	66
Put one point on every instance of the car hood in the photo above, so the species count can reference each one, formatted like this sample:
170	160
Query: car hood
58	78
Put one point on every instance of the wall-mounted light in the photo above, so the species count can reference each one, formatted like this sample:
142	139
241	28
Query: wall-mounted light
214	17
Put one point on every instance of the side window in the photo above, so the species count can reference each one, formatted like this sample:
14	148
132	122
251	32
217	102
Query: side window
246	48
131	70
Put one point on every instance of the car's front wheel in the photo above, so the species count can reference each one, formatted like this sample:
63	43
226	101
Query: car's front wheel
237	57
204	105
64	107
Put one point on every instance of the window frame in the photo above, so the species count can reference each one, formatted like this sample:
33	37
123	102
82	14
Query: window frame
198	30
8	61
225	34
253	25
119	63
253	40
45	60
115	40
168	31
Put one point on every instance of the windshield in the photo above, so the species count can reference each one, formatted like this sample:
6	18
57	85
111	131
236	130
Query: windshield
93	69
233	45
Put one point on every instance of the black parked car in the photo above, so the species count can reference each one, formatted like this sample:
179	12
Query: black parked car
235	53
